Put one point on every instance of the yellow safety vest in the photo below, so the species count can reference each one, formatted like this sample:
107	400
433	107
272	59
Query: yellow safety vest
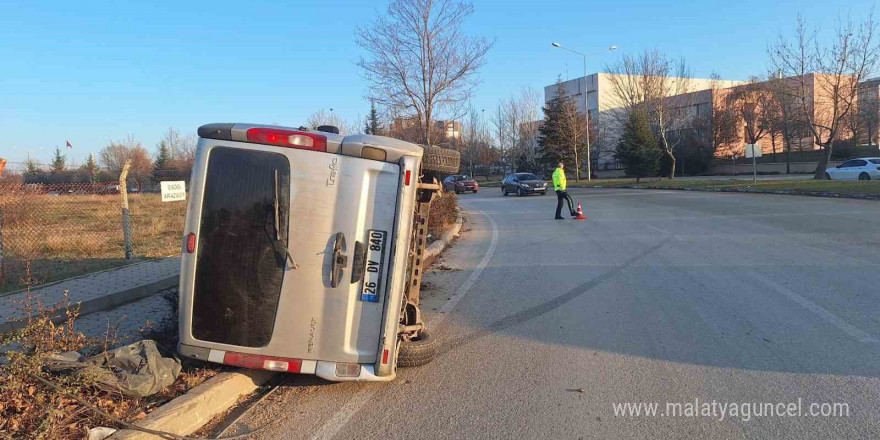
559	180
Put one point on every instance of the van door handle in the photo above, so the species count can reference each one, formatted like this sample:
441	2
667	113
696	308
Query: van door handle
339	260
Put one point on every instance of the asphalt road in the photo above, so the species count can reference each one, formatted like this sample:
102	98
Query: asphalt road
660	296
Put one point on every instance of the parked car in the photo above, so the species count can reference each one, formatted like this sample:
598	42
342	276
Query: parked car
522	184
302	251
863	168
460	183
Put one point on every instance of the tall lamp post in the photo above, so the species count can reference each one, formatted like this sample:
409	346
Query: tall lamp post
586	112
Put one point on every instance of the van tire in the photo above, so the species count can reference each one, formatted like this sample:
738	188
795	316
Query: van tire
441	160
417	352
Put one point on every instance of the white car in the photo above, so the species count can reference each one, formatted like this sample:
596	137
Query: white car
863	168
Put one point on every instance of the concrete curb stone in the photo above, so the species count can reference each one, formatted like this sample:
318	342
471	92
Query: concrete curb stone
110	301
435	248
189	412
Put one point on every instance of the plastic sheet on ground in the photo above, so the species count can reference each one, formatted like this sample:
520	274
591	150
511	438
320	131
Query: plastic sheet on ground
135	370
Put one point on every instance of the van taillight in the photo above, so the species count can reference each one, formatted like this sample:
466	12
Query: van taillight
258	362
406	178
287	138
190	243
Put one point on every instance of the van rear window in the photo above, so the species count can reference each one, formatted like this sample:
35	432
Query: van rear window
240	262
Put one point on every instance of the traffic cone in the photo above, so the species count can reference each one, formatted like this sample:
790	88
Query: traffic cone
580	213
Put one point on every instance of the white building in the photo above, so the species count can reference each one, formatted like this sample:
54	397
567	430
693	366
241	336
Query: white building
601	99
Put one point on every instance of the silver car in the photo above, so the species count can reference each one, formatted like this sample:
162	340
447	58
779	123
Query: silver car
298	249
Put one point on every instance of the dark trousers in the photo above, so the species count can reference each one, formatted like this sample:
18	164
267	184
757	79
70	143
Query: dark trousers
560	196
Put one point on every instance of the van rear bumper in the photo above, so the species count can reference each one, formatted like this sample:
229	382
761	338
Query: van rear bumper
323	369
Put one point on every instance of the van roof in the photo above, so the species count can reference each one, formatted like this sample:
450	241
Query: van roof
350	145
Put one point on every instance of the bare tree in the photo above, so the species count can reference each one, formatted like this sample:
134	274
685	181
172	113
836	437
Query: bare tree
516	124
787	116
528	114
181	148
751	103
502	133
420	59
869	112
322	117
658	85
573	133
723	121
825	76
114	156
476	142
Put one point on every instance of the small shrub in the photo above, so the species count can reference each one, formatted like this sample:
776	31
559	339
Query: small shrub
444	210
28	409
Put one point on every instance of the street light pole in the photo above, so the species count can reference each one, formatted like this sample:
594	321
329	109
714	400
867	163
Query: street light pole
586	115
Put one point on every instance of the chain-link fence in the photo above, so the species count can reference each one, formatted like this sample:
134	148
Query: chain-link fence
54	231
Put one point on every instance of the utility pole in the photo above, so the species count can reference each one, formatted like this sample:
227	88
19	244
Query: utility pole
586	115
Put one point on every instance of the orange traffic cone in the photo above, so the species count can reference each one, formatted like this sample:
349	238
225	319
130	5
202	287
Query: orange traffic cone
580	213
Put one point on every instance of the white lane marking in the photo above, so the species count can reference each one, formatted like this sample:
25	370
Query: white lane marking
468	283
338	421
341	418
813	307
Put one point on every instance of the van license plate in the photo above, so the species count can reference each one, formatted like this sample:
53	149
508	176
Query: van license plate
374	265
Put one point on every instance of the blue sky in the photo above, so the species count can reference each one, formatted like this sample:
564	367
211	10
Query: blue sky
92	72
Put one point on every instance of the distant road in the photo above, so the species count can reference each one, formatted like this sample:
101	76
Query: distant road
660	296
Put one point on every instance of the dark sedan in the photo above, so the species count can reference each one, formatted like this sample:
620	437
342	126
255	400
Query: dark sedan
460	183
522	184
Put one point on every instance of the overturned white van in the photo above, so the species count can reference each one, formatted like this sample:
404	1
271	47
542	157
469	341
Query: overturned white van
302	251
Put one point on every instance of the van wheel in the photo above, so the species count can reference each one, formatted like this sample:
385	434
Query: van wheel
418	352
441	160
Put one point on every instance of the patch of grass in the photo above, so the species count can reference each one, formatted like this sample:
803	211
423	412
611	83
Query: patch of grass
840	187
69	235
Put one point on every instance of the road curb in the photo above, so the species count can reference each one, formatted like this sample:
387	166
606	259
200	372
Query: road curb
435	248
107	302
189	412
790	192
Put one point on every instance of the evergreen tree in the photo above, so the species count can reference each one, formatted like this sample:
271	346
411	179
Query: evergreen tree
163	157
372	125
637	148
33	167
562	137
550	133
91	167
59	162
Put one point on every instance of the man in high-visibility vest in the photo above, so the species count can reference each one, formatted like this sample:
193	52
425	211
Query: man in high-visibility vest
559	186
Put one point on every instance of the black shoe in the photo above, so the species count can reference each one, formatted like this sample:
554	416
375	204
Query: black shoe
559	218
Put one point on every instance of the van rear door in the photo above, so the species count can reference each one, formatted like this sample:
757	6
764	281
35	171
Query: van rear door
342	216
249	293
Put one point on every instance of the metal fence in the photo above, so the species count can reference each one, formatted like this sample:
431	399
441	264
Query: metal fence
54	231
